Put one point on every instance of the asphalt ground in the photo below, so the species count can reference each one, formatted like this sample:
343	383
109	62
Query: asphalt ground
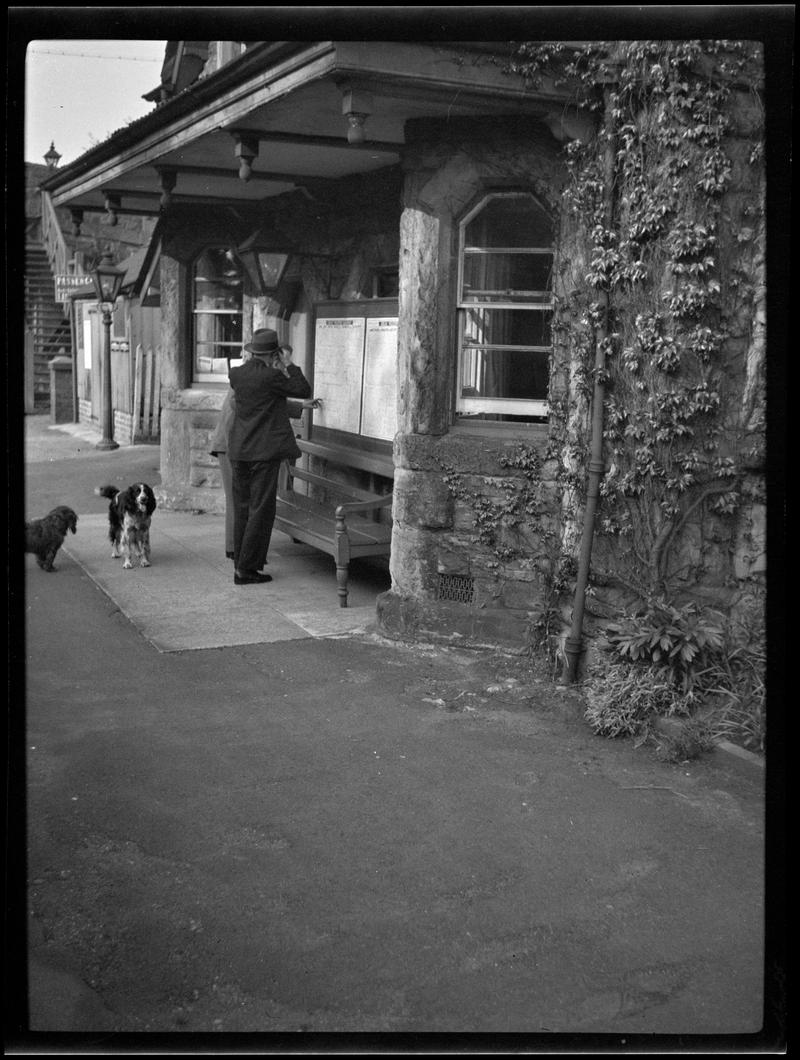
283	844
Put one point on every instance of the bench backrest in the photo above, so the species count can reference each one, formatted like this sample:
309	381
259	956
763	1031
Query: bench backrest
343	458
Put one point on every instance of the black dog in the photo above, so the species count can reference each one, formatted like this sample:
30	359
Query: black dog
129	515
44	537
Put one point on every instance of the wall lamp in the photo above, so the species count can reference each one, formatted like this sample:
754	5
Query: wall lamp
356	107
264	260
107	279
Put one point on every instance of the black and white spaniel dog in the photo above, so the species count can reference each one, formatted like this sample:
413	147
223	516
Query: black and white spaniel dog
129	514
45	536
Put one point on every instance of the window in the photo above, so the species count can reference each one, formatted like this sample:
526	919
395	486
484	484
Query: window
504	309
217	293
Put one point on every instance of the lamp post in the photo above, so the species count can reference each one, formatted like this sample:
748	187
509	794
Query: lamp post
107	282
52	157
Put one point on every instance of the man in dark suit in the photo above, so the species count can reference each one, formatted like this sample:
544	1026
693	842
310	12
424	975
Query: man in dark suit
260	438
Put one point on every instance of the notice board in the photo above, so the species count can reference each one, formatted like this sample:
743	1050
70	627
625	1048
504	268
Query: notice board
355	367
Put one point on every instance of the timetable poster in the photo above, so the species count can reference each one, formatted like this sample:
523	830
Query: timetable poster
379	402
338	372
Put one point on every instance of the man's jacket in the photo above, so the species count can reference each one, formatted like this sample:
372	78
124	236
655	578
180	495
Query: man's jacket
261	429
218	443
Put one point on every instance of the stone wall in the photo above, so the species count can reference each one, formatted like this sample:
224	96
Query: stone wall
190	475
450	580
715	557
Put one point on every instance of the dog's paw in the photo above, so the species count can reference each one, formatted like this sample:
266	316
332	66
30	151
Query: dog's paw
145	563
127	565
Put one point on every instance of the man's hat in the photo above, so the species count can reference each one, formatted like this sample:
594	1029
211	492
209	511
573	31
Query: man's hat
263	343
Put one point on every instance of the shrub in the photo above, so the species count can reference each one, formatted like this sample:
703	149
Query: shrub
735	688
651	666
675	641
622	697
672	661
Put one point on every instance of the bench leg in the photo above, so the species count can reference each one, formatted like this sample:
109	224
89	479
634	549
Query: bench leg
342	574
342	559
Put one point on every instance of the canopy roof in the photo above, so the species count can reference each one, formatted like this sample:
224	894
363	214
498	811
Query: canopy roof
287	100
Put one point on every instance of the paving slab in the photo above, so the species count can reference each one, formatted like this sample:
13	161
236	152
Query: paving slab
187	600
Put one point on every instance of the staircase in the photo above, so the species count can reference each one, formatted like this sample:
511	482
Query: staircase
45	322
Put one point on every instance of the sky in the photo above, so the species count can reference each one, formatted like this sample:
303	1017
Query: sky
79	92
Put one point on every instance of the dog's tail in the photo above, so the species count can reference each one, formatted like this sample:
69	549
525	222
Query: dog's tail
106	491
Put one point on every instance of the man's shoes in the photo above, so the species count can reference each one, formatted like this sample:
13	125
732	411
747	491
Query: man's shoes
253	578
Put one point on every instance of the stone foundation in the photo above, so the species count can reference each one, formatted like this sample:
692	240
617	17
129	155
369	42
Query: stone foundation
190	475
414	619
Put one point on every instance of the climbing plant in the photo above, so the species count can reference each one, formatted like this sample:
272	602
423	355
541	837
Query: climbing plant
505	504
670	274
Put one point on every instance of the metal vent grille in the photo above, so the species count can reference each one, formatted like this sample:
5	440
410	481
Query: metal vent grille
457	587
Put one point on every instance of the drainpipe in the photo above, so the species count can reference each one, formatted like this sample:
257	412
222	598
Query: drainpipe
573	646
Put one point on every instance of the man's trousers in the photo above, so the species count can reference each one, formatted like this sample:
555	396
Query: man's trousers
255	489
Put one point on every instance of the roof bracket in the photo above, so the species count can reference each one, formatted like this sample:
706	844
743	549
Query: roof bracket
112	204
168	178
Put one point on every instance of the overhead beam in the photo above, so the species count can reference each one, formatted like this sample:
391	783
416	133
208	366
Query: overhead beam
304	140
232	174
155	210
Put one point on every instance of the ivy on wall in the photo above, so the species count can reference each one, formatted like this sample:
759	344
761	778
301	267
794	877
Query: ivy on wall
679	263
506	505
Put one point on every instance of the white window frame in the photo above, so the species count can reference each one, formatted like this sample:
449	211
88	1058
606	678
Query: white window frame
199	376
468	408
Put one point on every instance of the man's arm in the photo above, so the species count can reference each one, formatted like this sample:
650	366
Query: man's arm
292	383
296	407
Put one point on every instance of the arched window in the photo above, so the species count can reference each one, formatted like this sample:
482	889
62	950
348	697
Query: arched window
505	309
217	293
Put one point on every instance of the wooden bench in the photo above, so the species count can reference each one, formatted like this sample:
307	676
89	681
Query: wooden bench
342	530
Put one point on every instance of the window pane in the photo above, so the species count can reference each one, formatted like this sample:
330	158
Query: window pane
217	311
504	359
218	329
504	373
510	221
507	327
218	336
493	277
218	281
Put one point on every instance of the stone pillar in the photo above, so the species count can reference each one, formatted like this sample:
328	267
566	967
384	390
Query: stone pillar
190	477
61	390
175	367
423	373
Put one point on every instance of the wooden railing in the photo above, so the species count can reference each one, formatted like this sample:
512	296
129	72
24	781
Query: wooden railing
53	238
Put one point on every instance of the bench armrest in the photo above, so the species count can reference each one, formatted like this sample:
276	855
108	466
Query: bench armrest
363	506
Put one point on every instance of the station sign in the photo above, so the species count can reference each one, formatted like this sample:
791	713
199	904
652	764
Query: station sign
65	285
